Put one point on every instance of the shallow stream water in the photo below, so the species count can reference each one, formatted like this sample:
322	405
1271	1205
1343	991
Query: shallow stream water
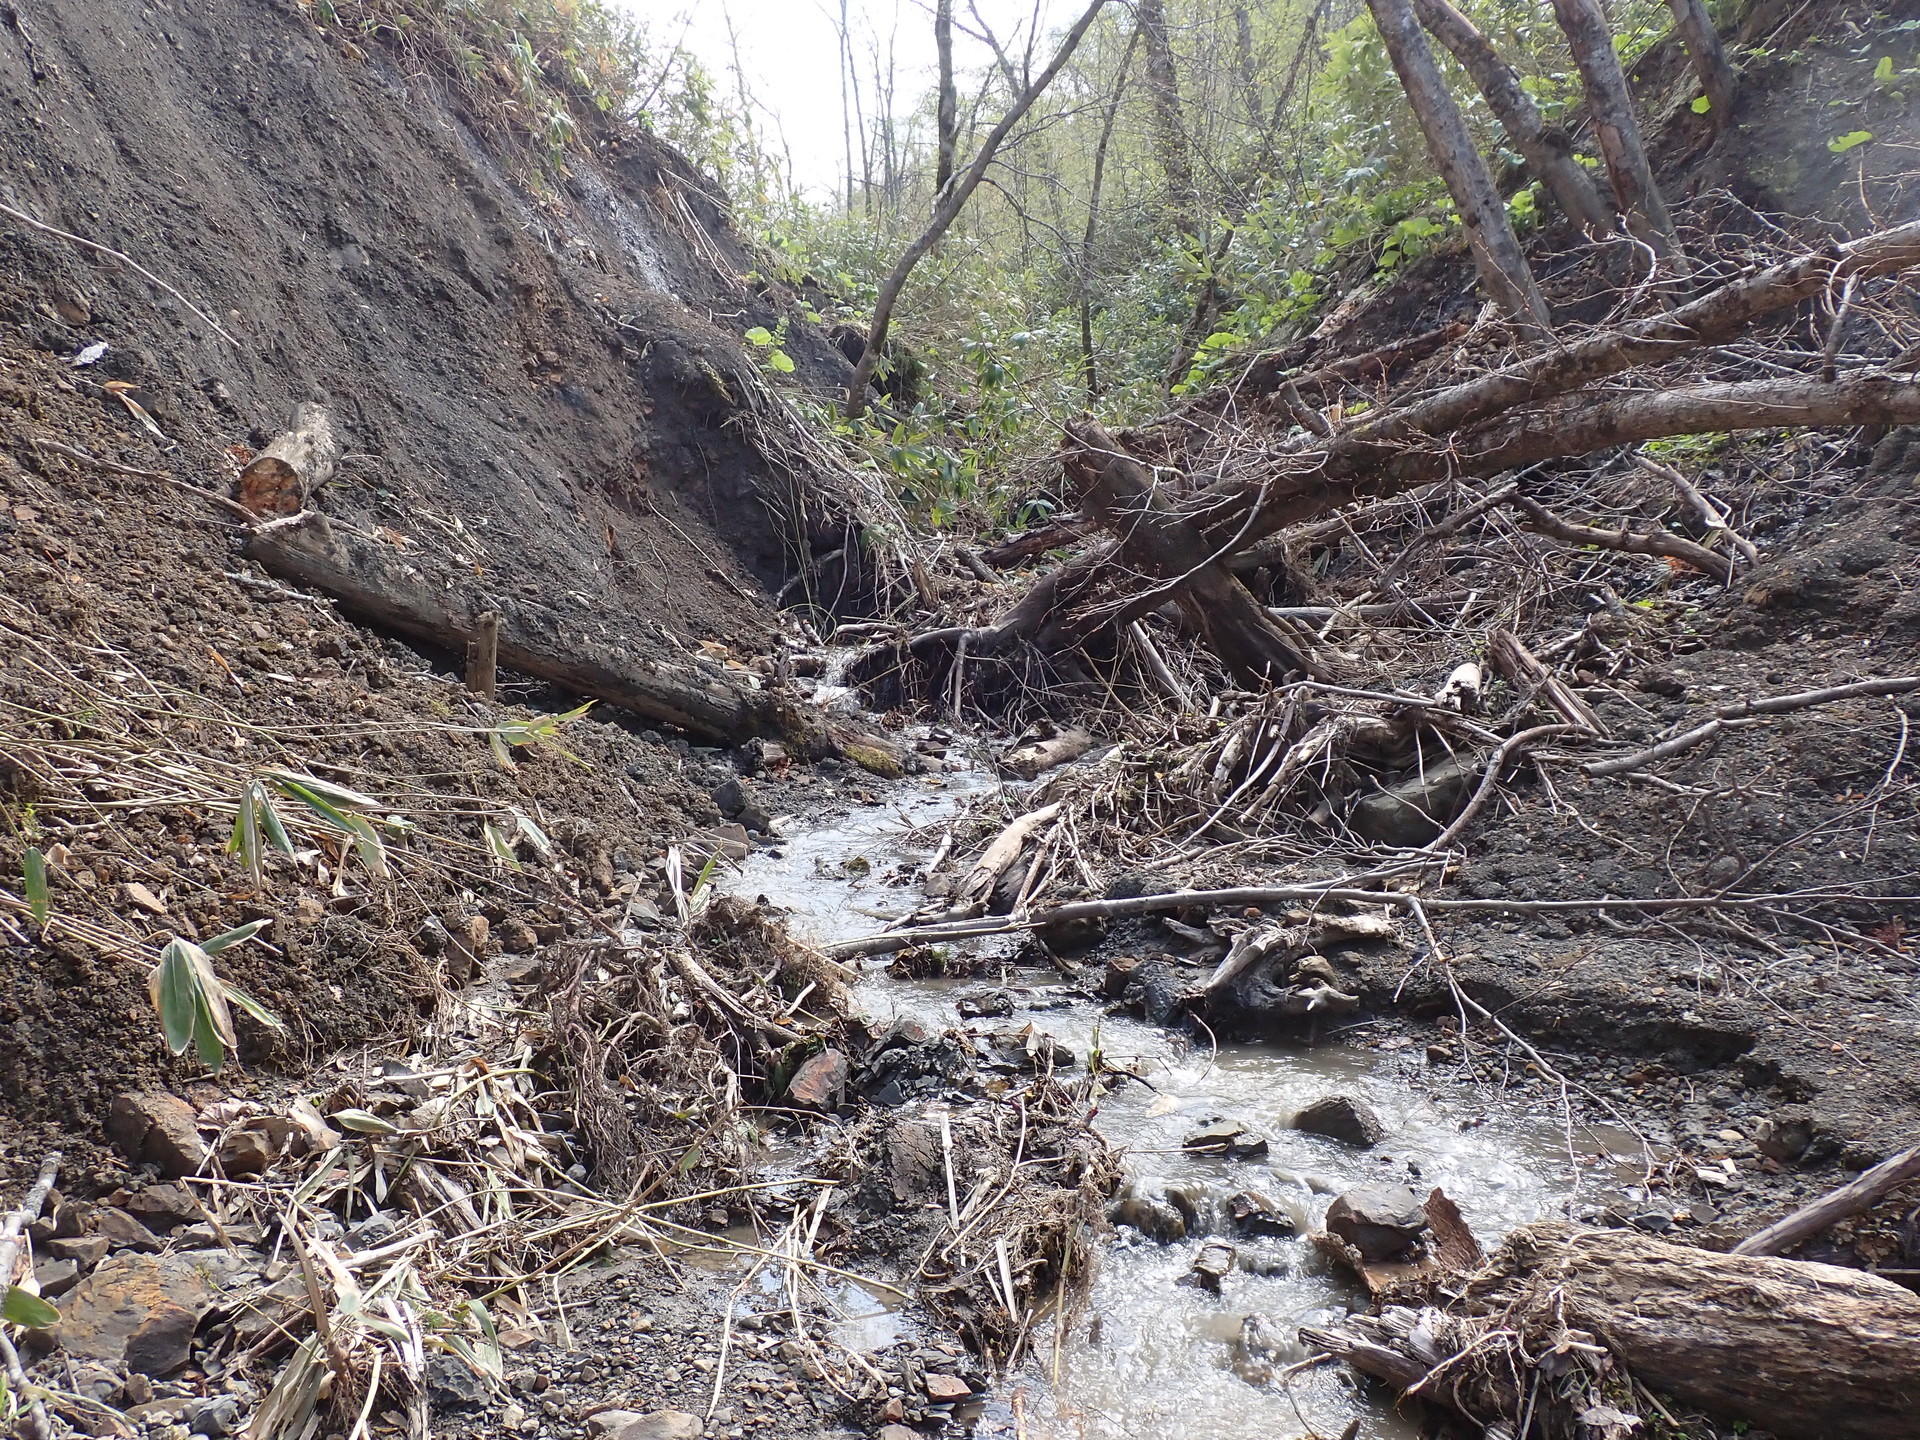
1150	1357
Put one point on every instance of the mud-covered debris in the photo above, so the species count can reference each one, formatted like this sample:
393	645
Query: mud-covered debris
139	1312
153	1128
1417	809
652	1425
1382	1222
1343	1118
1226	1137
821	1081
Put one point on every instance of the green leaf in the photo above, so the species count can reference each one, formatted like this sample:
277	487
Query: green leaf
781	361
498	847
337	795
252	1006
363	1122
38	900
1840	144
1883	72
191	1003
1701	105
27	1310
760	335
239	935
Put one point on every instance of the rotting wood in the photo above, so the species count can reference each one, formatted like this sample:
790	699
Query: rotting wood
1520	668
379	583
977	889
283	476
1812	1352
1120	492
1857	1195
483	654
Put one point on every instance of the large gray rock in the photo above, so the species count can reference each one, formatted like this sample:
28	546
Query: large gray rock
1415	811
1341	1117
1382	1222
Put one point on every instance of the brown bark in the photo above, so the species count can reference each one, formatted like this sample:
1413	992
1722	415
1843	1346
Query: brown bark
483	654
1708	55
1521	668
281	478
1811	1352
1504	272
1548	149
1120	493
1611	109
378	583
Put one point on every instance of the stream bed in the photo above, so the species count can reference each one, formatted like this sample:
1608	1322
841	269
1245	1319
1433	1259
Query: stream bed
1150	1356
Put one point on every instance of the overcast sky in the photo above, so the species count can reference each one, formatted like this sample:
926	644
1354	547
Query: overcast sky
789	50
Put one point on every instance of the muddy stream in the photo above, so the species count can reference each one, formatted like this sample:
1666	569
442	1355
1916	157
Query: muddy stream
1150	1356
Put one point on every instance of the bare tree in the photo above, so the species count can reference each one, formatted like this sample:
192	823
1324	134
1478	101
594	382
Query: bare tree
1548	149
950	209
1709	57
1169	124
1585	25
1496	251
1088	365
947	112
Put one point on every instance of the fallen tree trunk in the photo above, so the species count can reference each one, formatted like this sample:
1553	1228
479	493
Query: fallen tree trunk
1811	1352
377	583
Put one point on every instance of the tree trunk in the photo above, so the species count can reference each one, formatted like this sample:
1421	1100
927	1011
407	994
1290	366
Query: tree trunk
375	582
950	210
1496	252
1547	148
1247	72
1120	492
1088	365
1169	124
947	113
1709	57
1810	1352
1611	109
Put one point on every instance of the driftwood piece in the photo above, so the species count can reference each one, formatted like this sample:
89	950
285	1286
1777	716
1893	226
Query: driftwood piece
977	889
1520	668
1812	1352
1032	760
380	584
1850	1199
282	477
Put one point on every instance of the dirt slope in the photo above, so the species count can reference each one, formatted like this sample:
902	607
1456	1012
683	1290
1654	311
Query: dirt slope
542	377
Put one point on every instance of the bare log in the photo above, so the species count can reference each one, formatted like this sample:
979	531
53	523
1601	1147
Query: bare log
1036	759
1497	255
1120	493
1548	149
1850	1199
1520	668
976	890
483	654
1611	109
1652	542
379	583
281	478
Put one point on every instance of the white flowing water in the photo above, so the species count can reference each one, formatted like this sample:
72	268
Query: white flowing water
1149	1356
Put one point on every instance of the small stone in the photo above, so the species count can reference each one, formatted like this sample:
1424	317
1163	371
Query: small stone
56	1277
246	1152
216	1417
1215	1261
140	895
309	910
1731	1137
164	1206
942	1388
1382	1222
896	1432
653	1425
85	1250
730	797
452	1385
820	1081
1253	1213
122	1231
894	1411
1343	1118
1785	1135
152	1128
517	937
512	1416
